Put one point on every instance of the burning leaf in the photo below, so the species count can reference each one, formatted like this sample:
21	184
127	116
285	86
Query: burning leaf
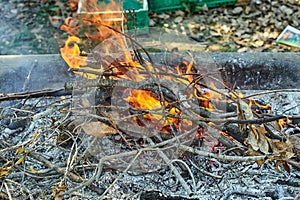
98	129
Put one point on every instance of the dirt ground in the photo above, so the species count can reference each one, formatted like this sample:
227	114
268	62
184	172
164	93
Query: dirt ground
32	27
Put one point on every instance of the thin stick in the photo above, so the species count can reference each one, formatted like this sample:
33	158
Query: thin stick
25	85
7	190
225	157
205	172
33	94
190	172
271	91
120	176
173	168
60	170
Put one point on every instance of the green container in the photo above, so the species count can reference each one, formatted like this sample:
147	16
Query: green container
139	8
159	6
217	3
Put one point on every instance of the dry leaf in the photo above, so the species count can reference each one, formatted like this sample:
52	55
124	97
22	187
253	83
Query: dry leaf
260	144
5	171
21	160
36	133
58	190
32	170
98	129
261	141
281	164
20	150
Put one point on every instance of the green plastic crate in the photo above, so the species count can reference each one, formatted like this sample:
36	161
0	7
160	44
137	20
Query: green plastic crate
159	6
217	3
139	8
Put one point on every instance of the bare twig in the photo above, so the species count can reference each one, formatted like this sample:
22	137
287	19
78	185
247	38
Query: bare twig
271	91
205	172
242	191
172	167
225	157
33	94
190	172
8	191
25	85
118	178
60	170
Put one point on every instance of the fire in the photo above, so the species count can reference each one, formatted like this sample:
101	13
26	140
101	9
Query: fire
147	101
283	122
72	55
112	55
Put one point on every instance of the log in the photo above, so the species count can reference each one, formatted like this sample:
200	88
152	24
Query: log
19	73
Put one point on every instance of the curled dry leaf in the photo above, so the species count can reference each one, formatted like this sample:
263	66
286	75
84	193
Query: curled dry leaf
98	129
295	141
59	189
257	138
260	144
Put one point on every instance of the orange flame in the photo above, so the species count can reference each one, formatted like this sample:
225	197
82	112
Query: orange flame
110	42
146	100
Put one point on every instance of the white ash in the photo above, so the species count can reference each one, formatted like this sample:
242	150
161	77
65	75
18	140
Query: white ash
239	180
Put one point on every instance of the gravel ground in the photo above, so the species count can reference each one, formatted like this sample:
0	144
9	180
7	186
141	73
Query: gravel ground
32	27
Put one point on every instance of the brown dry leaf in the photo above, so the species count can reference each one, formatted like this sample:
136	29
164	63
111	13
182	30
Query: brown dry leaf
21	160
98	129
252	140
20	150
257	138
282	164
259	143
262	140
295	142
58	190
244	112
252	152
5	171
